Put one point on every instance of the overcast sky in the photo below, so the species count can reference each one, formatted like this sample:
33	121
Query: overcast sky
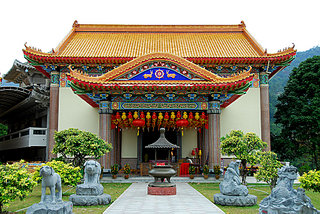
275	24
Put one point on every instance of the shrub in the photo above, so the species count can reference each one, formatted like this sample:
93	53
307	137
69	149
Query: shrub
206	170
15	182
192	170
115	169
268	170
243	146
79	144
70	175
310	180
127	169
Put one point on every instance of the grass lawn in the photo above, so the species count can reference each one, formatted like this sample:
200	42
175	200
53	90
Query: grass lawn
114	189
261	191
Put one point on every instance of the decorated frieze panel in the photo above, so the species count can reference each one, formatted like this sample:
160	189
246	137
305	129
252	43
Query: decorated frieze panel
161	70
55	78
150	97
159	73
63	80
263	79
159	106
255	81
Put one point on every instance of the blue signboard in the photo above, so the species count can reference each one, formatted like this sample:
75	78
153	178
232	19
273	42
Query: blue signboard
159	73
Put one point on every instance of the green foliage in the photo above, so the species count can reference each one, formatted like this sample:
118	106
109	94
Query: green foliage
279	81
15	182
127	169
115	169
311	180
206	170
243	146
3	130
79	144
268	169
70	175
192	170
298	113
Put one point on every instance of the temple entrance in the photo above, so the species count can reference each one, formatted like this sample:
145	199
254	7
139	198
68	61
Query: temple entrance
151	136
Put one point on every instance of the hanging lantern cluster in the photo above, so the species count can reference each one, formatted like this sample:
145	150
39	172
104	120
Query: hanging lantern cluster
172	120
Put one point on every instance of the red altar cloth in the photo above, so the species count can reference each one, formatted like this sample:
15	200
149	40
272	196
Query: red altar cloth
184	169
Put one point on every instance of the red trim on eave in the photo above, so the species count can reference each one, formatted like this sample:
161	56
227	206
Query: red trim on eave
231	100
89	100
39	68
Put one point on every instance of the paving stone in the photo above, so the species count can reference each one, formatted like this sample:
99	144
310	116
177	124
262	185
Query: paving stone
136	200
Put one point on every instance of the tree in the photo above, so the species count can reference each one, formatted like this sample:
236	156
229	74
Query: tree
243	146
78	144
298	111
268	169
16	182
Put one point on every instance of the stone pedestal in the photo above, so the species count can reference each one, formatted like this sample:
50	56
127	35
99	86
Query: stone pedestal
85	189
47	207
242	201
88	195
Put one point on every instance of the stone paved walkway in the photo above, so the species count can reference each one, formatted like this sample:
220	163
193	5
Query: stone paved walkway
135	200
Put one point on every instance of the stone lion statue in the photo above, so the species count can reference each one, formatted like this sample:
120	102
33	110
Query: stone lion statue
92	171
231	185
284	198
51	180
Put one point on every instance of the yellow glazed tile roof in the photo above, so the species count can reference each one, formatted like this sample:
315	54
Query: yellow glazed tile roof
138	40
138	44
87	43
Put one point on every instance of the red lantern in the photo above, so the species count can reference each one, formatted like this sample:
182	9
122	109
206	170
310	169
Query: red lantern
193	153
154	119
130	118
182	123
166	118
138	123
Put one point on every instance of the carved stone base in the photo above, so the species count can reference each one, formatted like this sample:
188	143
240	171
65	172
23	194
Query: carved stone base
85	189
89	200
63	207
162	190
241	201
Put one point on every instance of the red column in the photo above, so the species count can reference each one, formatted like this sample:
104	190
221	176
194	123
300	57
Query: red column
264	105
214	140
214	132
53	112
106	134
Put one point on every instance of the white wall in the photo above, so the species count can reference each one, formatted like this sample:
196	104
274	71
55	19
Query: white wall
243	114
74	112
129	143
189	141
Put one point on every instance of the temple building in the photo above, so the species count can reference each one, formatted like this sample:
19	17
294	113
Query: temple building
125	82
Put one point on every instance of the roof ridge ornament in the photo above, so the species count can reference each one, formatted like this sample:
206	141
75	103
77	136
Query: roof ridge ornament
242	24
75	24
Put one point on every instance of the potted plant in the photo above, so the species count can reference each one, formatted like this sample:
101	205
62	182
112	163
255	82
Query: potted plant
216	170
114	170
205	171
192	171
126	170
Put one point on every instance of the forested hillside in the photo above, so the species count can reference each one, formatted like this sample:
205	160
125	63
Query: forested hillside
279	81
